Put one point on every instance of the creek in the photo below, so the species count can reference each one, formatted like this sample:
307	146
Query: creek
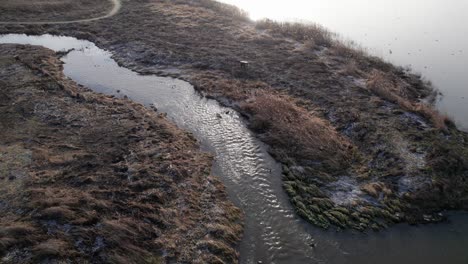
273	233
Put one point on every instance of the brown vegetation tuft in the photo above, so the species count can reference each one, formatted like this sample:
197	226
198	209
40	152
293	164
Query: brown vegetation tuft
297	31
224	9
348	49
52	248
299	133
295	133
234	89
31	10
389	88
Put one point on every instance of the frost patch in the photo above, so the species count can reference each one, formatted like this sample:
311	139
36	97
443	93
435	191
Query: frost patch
407	184
345	191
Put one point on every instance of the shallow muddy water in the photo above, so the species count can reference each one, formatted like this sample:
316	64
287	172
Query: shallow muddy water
430	36
273	234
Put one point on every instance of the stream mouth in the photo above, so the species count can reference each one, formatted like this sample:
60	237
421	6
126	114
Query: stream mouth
273	233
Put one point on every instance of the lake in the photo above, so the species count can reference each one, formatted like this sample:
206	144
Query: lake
430	36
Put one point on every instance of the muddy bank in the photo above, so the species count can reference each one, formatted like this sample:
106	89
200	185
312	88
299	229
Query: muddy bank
93	179
368	152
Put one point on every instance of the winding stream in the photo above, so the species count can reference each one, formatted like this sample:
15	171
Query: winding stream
273	234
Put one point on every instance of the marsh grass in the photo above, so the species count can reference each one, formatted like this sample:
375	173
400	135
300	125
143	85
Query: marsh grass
348	49
295	130
278	116
297	31
314	35
395	91
43	5
46	10
351	68
355	57
220	8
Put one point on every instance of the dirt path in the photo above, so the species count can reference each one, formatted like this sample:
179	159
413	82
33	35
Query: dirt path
117	5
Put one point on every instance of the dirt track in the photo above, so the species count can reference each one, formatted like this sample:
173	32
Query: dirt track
115	9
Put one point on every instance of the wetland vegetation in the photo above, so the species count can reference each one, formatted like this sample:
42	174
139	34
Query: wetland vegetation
360	143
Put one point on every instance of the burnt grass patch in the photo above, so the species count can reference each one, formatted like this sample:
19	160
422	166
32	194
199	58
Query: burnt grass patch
359	148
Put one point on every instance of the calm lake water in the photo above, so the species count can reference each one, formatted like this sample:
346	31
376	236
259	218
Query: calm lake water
430	36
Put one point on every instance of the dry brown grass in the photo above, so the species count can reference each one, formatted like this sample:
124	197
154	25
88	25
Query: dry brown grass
309	45
234	89
347	49
351	68
83	197
43	5
297	31
229	10
313	36
300	134
220	8
438	119
293	132
35	10
396	91
52	248
352	58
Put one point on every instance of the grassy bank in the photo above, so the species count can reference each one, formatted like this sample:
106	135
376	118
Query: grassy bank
359	147
47	10
88	178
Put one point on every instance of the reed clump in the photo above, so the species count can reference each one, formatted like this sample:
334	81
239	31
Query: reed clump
299	133
297	31
393	90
